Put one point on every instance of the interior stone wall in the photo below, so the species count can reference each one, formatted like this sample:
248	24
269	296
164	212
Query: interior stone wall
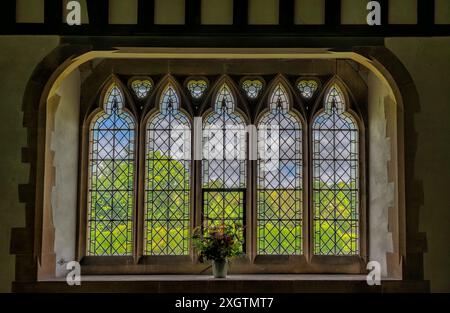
65	144
30	11
19	55
428	62
169	11
309	12
123	12
218	12
262	12
381	190
84	11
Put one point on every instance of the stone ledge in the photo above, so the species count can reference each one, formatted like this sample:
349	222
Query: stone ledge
234	284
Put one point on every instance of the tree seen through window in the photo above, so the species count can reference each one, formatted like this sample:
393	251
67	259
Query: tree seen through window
280	174
111	184
279	197
168	167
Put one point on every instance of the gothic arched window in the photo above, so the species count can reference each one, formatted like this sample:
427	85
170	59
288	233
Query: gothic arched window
167	183
335	185
224	162
292	175
279	181
111	178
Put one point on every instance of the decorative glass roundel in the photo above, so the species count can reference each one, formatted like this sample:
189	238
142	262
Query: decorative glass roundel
142	88
197	88
307	88
252	88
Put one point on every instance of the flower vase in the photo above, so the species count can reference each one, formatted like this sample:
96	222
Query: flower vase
220	268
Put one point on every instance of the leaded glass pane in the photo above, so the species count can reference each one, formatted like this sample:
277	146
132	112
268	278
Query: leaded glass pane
280	174
223	207
224	100
169	100
307	88
111	180
224	163
197	88
335	179
279	98
168	165
335	100
142	88
252	87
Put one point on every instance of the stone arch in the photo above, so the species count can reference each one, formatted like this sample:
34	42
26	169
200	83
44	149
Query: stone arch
32	244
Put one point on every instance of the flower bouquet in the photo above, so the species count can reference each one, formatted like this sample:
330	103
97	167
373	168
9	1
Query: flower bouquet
218	244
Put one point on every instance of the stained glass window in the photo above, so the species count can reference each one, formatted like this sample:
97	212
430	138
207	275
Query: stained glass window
224	162
252	87
335	179
111	179
168	169
197	88
280	166
142	88
307	88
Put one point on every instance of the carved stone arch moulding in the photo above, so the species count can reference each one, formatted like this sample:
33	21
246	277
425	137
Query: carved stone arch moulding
32	243
406	260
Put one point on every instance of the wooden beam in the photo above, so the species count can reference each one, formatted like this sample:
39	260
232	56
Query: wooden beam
240	12
425	12
384	12
286	12
8	12
192	12
146	13
226	34
53	12
332	12
98	12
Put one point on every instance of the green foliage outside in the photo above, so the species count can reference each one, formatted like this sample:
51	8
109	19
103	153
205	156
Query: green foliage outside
167	225
105	237
218	243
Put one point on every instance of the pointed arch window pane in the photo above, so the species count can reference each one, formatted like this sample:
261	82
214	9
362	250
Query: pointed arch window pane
169	100
142	88
224	163
111	179
197	88
307	88
168	168
279	185
252	88
335	179
113	100
334	99
224	100
279	98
